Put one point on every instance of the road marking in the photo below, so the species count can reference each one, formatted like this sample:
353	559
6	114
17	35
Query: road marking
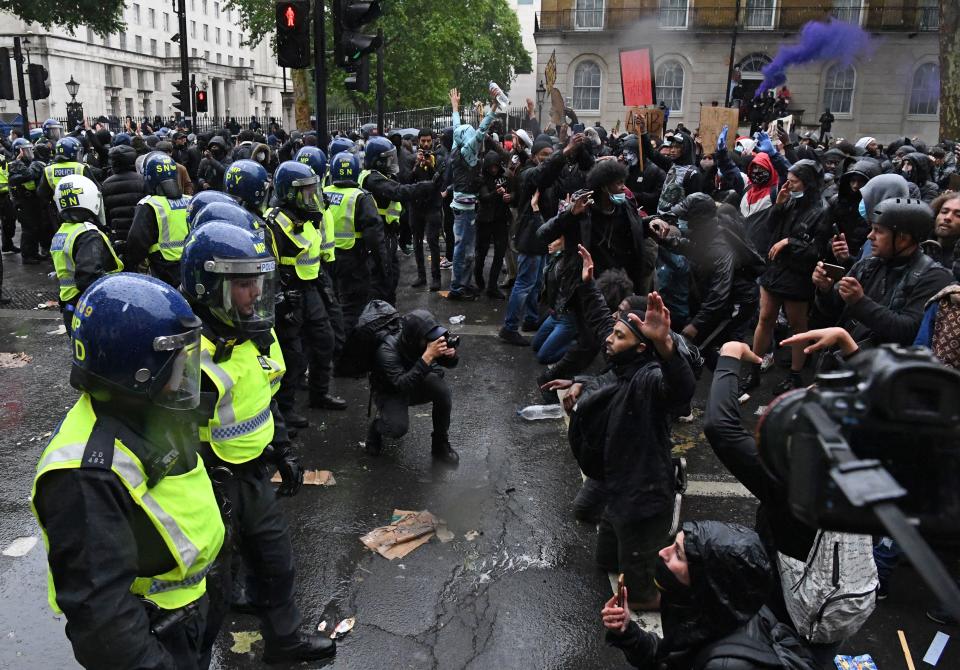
20	547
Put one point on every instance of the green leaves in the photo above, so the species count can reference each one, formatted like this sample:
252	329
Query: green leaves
103	16
430	48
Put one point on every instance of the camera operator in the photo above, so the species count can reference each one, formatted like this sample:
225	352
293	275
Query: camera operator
882	297
426	215
406	371
713	580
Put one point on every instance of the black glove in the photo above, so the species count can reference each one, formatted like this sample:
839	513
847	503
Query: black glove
288	465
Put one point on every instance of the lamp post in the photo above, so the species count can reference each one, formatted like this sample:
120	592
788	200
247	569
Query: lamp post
541	92
74	108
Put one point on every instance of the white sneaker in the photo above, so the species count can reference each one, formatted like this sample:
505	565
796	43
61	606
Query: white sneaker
767	362
445	264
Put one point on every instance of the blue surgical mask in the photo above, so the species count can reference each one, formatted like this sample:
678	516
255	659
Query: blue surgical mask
796	195
618	198
862	208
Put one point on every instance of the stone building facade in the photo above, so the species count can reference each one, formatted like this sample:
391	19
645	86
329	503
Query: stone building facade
132	73
892	92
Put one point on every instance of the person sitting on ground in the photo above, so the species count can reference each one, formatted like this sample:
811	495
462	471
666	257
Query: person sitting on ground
713	580
943	247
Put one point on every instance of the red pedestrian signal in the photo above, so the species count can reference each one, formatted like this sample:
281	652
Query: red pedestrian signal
201	101
293	33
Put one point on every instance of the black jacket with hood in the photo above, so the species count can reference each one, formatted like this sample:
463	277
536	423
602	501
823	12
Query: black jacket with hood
845	210
490	205
683	175
398	367
730	577
922	168
122	191
800	222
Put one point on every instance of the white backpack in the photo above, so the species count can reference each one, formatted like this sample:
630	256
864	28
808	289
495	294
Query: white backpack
832	594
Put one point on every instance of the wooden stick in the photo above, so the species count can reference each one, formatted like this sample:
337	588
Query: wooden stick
906	650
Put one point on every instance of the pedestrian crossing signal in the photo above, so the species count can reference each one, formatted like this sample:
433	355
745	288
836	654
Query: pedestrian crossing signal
201	101
293	33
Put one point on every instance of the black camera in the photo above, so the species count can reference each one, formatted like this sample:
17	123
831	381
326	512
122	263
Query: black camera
886	429
453	341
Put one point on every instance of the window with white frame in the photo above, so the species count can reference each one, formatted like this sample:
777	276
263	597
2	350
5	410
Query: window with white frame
850	11
152	17
760	14
136	12
669	83
929	14
138	41
838	88
673	13
587	80
153	47
166	21
588	15
206	33
925	91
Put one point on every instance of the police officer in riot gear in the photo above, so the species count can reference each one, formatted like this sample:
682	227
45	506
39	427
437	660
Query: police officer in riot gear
361	271
81	250
26	173
160	222
303	312
229	277
127	511
381	168
201	200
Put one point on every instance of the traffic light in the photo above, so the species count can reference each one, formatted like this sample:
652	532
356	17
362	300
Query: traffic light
293	33
350	44
6	75
201	101
359	78
181	98
38	82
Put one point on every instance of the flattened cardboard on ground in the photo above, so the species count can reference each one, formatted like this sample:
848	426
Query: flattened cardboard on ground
311	478
406	531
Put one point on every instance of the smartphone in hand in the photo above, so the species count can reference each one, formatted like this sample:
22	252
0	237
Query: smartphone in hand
835	272
621	601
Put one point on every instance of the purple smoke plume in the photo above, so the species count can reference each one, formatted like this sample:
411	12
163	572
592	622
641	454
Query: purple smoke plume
836	40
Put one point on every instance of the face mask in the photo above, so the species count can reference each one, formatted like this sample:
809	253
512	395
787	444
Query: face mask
862	208
706	165
796	195
618	198
630	158
667	583
759	176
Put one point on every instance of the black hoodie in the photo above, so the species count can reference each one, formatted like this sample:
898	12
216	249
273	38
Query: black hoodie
920	175
845	211
490	205
398	364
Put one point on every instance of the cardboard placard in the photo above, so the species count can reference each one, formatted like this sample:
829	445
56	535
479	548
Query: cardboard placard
786	121
712	121
653	116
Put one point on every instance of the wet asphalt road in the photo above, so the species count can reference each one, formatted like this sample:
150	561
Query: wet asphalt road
524	594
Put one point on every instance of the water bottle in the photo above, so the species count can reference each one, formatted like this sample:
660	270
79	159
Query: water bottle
537	412
498	93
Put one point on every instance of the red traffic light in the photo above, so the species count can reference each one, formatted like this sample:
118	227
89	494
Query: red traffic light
291	16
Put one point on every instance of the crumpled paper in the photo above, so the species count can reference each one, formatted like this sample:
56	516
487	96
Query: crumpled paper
16	360
406	531
311	478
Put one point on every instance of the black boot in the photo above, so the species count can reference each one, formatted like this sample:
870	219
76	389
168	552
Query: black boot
298	647
421	281
295	420
327	401
441	451
374	444
751	380
435	283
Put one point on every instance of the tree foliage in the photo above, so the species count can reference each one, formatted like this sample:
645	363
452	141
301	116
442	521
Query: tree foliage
103	16
949	69
430	47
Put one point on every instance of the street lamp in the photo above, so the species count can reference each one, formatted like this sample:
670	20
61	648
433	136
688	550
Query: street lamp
72	88
541	92
74	108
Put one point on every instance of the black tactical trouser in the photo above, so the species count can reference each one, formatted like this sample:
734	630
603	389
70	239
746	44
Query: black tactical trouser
329	296
8	220
31	218
261	538
427	221
393	280
309	322
490	232
352	280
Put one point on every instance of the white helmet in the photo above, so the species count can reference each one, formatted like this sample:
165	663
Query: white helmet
78	199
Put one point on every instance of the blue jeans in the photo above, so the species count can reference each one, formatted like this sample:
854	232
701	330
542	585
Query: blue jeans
464	248
525	295
554	337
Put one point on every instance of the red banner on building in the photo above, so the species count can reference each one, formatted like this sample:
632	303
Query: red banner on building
636	77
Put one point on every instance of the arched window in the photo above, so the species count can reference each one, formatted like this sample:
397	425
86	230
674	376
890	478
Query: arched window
586	86
925	91
752	66
838	89
670	85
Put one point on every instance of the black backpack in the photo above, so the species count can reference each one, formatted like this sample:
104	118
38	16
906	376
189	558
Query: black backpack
378	320
763	642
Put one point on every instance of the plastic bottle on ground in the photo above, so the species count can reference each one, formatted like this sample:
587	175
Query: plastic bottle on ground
536	412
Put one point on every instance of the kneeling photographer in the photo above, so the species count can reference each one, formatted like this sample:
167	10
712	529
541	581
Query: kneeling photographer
835	463
406	371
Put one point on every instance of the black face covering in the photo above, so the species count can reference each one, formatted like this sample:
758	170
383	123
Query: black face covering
667	583
759	175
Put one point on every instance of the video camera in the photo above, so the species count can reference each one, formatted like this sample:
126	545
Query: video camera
882	433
